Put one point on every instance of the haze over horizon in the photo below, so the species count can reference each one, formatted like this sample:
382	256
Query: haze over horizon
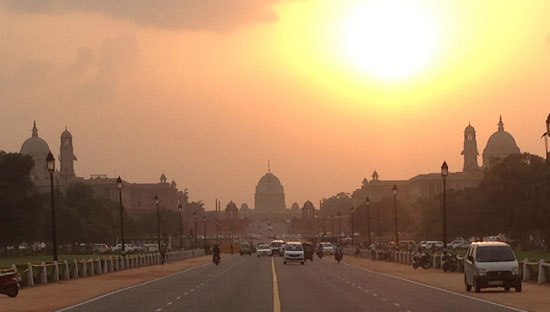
209	92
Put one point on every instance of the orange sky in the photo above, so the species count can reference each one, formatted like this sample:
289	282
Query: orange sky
209	92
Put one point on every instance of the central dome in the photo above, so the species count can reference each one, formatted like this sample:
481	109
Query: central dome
500	145
270	194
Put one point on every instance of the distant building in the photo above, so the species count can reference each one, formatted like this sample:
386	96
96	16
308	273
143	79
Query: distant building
270	195
38	149
499	145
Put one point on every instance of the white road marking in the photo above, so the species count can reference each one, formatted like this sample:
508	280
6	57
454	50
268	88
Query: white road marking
178	298
437	288
396	304
159	309
185	294
366	290
352	284
384	299
375	295
130	287
359	287
169	303
193	289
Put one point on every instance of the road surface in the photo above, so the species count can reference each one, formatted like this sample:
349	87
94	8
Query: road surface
248	283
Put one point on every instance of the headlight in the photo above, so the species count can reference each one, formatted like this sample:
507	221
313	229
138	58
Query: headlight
515	271
481	272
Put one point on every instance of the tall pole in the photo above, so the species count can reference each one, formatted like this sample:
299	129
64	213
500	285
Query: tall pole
119	187
546	138
332	226
180	208
444	173
352	231
324	228
395	213
367	204
158	221
196	239
204	230
339	228
50	161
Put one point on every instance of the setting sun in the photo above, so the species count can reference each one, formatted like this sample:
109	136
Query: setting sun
388	39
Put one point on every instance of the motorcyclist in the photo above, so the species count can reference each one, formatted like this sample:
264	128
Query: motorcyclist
339	254
320	251
216	252
419	253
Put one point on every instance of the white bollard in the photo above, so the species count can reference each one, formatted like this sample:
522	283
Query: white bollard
99	270
66	273
30	276
542	275
526	275
111	265
75	269
105	266
55	272
92	269
43	273
84	269
117	264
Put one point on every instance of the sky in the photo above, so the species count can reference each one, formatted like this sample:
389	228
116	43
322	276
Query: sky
209	91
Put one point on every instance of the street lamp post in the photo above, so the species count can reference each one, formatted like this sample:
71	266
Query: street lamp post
119	187
339	228
324	228
195	219
50	161
317	225
352	231
204	231
180	209
444	173
158	221
217	232
394	189
546	138
367	204
332	227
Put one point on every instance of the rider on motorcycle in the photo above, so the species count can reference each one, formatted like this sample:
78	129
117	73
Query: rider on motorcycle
216	252
419	253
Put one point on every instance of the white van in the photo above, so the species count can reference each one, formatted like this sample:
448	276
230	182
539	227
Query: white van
491	264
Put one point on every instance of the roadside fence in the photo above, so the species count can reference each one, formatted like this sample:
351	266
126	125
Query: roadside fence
537	271
45	273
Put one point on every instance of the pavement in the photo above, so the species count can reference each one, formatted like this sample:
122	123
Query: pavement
249	283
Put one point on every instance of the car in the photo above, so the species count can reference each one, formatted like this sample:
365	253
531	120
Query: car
101	248
294	252
245	249
276	247
118	247
491	264
327	248
263	250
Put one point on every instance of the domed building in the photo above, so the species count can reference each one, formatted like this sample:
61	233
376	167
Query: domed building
499	145
270	195
38	149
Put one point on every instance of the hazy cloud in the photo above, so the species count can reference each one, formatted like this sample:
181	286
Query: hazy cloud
212	15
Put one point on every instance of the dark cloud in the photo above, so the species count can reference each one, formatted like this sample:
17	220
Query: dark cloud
210	15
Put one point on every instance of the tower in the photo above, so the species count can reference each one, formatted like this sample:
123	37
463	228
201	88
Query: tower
66	155
470	150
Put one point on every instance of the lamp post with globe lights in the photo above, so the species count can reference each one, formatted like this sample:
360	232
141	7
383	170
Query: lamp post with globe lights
339	228
546	138
444	173
394	190
119	187
352	232
195	220
158	221
367	204
180	209
204	231
50	162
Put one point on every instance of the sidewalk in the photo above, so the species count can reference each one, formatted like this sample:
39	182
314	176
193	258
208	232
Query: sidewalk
532	298
51	297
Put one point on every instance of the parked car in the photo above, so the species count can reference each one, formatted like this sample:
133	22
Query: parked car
294	252
264	250
118	247
491	264
101	248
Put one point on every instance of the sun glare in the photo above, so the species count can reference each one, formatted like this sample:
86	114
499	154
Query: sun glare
388	38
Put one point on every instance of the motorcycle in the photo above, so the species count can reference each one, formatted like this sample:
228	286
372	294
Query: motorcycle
320	254
9	284
216	259
338	255
424	261
450	263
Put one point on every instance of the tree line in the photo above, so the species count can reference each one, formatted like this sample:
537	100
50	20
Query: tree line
81	217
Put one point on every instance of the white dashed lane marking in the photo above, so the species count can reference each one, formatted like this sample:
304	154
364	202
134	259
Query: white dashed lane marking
159	309
169	303
396	304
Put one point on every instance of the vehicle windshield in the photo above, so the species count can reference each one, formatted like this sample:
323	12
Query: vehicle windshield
494	254
294	247
263	247
276	244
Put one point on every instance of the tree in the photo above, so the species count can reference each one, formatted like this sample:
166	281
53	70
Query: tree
19	202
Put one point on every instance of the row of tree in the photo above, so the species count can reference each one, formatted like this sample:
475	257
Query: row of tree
25	215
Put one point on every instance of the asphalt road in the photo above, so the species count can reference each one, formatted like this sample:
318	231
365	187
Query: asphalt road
248	283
